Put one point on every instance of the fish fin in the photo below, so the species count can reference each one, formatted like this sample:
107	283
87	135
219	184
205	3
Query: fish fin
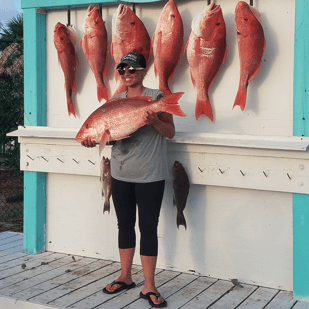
258	67
81	42
169	104
102	93
107	207
203	107
181	220
71	109
241	97
192	79
103	141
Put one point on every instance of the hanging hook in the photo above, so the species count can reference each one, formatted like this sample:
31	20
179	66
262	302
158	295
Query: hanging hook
251	2
133	9
100	6
208	2
69	17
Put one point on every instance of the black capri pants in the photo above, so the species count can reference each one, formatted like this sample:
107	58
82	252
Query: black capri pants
148	197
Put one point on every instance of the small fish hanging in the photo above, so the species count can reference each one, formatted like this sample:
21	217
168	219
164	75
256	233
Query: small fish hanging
181	186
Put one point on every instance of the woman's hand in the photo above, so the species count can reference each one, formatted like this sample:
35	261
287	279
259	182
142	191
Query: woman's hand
88	142
151	118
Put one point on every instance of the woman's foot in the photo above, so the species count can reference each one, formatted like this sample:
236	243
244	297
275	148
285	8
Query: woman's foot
155	297
114	286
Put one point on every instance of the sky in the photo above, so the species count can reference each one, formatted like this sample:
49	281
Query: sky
9	9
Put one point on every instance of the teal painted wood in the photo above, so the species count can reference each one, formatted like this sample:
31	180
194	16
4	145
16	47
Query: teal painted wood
301	128
35	115
35	212
47	4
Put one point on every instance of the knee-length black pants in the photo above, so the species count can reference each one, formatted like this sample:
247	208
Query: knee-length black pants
148	197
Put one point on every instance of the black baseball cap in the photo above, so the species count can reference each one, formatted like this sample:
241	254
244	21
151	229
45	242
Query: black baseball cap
134	59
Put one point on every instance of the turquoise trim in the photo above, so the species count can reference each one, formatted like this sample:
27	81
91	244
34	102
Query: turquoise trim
301	128
74	3
35	115
34	212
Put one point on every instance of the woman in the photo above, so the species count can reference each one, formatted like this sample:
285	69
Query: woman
138	168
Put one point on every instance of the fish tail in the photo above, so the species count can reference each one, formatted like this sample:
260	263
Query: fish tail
169	104
102	93
241	97
203	107
71	109
107	206
181	220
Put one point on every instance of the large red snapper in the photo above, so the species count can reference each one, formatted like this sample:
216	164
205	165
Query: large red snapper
128	35
95	46
167	43
206	52
251	46
65	41
118	118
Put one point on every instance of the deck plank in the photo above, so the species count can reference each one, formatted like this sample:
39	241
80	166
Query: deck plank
6	235
210	295
58	269
20	260
190	291
236	296
42	283
6	282
95	285
132	297
259	299
16	237
99	297
283	300
10	257
301	305
83	276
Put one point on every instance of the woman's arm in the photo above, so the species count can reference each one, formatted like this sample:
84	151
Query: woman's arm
163	122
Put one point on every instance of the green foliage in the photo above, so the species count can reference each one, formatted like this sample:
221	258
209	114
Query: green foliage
11	107
11	32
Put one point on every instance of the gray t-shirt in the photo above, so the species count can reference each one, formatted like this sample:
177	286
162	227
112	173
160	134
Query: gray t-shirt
142	157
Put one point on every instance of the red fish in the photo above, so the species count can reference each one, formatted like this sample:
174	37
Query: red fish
206	52
251	46
95	46
65	41
167	43
128	35
118	118
105	178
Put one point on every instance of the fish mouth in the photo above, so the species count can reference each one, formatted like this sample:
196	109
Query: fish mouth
122	10
213	8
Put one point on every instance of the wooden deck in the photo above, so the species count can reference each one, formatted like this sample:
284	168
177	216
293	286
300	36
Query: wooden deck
57	280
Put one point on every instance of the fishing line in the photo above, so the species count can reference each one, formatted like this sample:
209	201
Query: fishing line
100	7
69	17
133	9
208	2
251	2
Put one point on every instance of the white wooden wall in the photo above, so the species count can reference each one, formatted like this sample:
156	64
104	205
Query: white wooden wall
232	233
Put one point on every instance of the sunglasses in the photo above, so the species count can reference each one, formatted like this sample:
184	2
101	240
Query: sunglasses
131	70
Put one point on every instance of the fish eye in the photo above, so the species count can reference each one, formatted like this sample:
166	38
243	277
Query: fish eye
173	15
218	24
133	23
246	19
86	125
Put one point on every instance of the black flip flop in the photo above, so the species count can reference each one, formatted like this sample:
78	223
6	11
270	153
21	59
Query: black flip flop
123	286
147	296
